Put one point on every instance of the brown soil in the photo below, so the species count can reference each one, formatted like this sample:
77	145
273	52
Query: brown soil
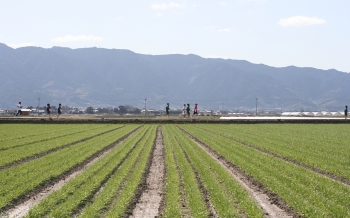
22	207
149	203
270	203
345	181
27	159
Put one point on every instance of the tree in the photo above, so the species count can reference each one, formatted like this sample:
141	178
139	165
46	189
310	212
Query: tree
90	110
122	109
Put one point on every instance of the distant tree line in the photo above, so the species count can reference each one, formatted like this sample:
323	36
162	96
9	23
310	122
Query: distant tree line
122	109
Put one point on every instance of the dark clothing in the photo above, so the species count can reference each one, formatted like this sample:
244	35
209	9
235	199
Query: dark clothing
167	109
59	111
48	110
19	112
346	112
188	109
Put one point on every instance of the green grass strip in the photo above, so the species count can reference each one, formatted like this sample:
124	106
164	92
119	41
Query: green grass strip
128	193
193	193
309	193
18	132
22	179
228	197
16	154
103	201
64	202
323	146
172	206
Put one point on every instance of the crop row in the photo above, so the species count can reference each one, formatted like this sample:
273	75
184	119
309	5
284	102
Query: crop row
18	142
109	182
11	132
16	154
22	179
311	194
194	177
321	146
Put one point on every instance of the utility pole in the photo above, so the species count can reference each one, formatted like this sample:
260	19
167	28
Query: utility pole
256	107
38	106
145	106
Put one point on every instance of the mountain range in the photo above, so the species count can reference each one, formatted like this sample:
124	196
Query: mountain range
100	77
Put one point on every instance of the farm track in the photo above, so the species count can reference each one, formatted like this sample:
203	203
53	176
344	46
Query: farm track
270	203
331	176
29	158
204	191
22	206
151	193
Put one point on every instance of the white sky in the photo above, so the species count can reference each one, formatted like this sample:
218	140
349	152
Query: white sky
304	33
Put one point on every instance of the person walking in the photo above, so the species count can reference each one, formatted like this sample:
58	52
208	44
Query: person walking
195	110
188	109
184	111
167	110
19	109
48	110
346	112
59	110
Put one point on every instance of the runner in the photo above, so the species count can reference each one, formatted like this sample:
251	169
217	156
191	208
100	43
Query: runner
19	109
167	110
184	111
195	110
345	111
59	110
188	109
48	110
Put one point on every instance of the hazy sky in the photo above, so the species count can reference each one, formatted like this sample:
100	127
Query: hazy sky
304	33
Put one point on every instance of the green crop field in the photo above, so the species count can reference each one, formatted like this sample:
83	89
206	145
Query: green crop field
211	170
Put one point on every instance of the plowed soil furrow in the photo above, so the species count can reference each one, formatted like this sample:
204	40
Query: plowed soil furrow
22	207
345	181
204	191
27	159
270	203
149	203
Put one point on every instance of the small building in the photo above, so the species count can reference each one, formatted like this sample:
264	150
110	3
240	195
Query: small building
26	112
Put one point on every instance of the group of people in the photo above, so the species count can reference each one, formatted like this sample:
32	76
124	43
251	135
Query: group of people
186	110
48	110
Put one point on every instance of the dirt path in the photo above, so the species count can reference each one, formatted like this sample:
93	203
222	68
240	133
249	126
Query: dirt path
150	200
22	209
271	204
331	176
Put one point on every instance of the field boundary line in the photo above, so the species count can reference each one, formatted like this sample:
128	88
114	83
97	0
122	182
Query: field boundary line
331	176
39	155
269	202
150	188
204	191
22	207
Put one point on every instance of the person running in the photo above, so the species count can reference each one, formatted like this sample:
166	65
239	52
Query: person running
59	110
188	109
48	110
19	109
346	112
184	111
167	109
195	110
